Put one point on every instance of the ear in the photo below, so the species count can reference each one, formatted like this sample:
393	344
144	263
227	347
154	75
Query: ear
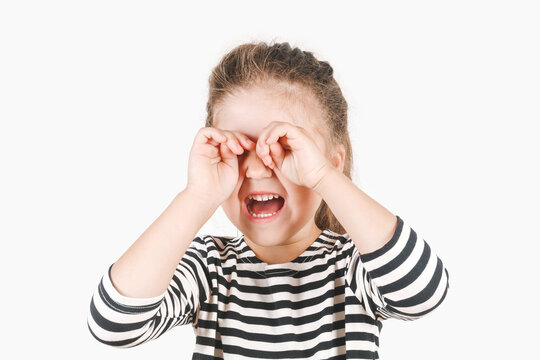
338	157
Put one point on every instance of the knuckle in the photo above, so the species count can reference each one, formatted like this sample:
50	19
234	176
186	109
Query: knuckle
201	132
212	131
225	133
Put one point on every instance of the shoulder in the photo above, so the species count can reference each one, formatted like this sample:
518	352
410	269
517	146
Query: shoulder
219	243
334	241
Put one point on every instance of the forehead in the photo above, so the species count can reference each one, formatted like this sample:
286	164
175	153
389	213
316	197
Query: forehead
250	110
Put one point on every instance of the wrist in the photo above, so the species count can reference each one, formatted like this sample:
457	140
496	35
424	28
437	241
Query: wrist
329	172
203	198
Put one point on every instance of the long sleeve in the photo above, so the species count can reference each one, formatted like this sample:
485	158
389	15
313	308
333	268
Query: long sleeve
404	279
121	321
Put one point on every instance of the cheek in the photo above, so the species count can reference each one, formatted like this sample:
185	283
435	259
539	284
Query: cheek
306	197
232	210
230	204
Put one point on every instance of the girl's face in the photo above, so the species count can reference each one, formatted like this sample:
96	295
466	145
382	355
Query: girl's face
249	111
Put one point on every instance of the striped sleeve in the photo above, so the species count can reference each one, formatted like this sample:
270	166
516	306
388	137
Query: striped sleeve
404	279
121	321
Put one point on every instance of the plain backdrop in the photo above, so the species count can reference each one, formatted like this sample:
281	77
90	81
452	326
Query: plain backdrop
100	101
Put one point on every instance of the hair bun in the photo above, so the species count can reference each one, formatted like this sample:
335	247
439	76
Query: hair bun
326	68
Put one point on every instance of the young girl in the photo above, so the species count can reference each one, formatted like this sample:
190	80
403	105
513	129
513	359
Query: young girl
319	263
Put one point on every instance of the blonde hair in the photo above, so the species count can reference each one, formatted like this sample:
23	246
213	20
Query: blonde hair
259	62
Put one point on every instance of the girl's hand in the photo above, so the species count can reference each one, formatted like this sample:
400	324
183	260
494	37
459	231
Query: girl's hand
213	163
290	149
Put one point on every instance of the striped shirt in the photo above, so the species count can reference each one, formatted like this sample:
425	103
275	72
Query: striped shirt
326	304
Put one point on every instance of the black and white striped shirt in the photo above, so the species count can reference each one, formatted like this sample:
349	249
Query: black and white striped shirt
326	304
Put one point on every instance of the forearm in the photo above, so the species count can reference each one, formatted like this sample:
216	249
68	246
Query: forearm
147	267
368	223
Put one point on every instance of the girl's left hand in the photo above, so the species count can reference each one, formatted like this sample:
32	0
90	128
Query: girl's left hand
289	149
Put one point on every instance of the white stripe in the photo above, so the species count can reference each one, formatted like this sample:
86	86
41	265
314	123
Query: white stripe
431	302
113	315
392	253
402	270
171	310
419	284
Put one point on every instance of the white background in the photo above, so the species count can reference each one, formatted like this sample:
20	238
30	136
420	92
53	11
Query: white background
100	101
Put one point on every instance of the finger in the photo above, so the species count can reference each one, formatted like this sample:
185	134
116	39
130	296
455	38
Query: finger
277	155
210	152
244	140
225	151
233	143
286	133
263	148
210	135
247	142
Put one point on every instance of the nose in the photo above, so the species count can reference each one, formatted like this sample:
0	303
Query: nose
254	166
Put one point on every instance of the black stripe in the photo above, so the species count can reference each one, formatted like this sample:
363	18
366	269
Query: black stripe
113	326
126	342
380	252
278	321
293	354
195	270
309	270
353	267
423	295
279	304
198	356
177	281
422	313
362	354
285	337
329	277
397	261
123	308
204	260
412	275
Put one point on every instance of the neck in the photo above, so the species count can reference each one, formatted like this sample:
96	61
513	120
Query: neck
282	253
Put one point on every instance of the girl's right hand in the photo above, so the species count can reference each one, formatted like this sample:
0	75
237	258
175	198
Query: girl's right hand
213	163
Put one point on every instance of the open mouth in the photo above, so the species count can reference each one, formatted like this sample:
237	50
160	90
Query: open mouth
264	206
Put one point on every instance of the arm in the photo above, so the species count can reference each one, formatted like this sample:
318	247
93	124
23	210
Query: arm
391	269
369	224
146	268
158	282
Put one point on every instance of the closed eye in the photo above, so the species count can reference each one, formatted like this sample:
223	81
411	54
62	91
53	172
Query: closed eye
243	155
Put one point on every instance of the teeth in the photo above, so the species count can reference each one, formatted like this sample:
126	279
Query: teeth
264	197
261	215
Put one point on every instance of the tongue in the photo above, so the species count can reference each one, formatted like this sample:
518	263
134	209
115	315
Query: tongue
266	207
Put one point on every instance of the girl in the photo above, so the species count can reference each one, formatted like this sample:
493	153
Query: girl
319	263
